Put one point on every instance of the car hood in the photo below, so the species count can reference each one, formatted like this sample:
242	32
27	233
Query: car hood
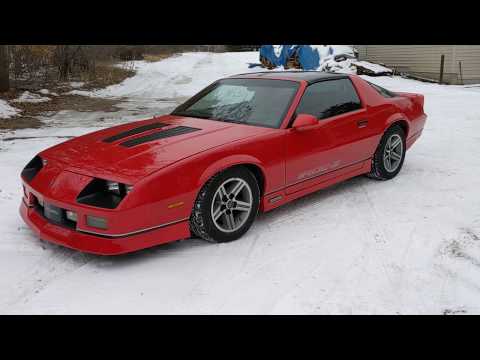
134	150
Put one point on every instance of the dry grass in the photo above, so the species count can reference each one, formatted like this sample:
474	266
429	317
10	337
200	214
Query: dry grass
68	102
155	57
106	74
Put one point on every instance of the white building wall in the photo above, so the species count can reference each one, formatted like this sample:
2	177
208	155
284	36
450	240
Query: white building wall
424	60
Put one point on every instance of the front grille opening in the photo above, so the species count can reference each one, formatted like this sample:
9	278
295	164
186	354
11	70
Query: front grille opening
37	203
53	214
32	168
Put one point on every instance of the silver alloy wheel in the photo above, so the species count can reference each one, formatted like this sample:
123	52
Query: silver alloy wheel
231	205
392	155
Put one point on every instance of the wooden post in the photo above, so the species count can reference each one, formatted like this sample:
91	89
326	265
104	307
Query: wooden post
442	63
461	72
4	79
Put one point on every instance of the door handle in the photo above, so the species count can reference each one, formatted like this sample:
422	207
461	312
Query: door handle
362	123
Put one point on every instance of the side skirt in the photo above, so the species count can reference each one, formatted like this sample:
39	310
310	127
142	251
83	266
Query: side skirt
281	197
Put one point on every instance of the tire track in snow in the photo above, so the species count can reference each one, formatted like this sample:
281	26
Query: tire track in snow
248	255
462	246
376	227
454	257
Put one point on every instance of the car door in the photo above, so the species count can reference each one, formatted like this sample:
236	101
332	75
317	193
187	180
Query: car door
339	143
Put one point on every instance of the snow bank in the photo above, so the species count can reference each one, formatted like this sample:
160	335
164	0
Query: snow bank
28	97
7	111
346	67
77	84
351	66
47	92
371	68
178	76
328	51
343	49
79	92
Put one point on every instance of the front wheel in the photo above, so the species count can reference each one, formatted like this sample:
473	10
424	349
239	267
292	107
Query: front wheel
226	206
390	154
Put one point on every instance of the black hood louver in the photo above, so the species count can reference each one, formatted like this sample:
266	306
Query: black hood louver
134	131
179	130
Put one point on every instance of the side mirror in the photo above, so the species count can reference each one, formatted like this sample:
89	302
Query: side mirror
304	122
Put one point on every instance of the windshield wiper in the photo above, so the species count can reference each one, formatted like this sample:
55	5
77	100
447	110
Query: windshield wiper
193	114
233	121
203	115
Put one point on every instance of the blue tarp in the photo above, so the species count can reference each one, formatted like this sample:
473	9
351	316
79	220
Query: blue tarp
268	52
308	56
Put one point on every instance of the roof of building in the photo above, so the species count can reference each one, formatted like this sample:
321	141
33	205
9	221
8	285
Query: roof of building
309	76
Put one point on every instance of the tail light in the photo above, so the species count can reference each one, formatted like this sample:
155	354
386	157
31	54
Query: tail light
420	100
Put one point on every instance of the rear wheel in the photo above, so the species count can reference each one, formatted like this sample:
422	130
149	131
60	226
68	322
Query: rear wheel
226	206
390	154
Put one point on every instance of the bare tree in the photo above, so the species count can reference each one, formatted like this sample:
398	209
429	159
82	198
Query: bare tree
41	65
4	79
66	56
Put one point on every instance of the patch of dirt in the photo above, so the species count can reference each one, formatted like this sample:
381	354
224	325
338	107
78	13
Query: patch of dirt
20	122
106	74
30	111
69	102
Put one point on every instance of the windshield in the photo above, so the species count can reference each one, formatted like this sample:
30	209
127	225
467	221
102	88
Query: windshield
247	101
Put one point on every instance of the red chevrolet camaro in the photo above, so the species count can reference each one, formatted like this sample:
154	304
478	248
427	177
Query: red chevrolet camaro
244	144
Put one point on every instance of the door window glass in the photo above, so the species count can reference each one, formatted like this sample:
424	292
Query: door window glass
329	98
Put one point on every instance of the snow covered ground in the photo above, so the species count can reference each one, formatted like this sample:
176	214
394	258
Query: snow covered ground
179	76
6	110
29	97
406	246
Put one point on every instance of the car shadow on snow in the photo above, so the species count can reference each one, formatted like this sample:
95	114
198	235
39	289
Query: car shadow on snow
302	206
298	209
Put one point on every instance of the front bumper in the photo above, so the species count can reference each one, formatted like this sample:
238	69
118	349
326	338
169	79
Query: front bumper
101	245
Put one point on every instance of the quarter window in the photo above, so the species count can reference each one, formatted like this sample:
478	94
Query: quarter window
382	91
325	99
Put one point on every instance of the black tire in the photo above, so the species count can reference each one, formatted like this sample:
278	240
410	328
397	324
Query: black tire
201	221
379	169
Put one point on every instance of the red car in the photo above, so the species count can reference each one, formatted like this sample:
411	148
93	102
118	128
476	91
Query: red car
244	144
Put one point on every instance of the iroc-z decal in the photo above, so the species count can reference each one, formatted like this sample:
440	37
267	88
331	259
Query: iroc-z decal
319	170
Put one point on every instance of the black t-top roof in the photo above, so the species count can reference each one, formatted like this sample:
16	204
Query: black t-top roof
309	76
